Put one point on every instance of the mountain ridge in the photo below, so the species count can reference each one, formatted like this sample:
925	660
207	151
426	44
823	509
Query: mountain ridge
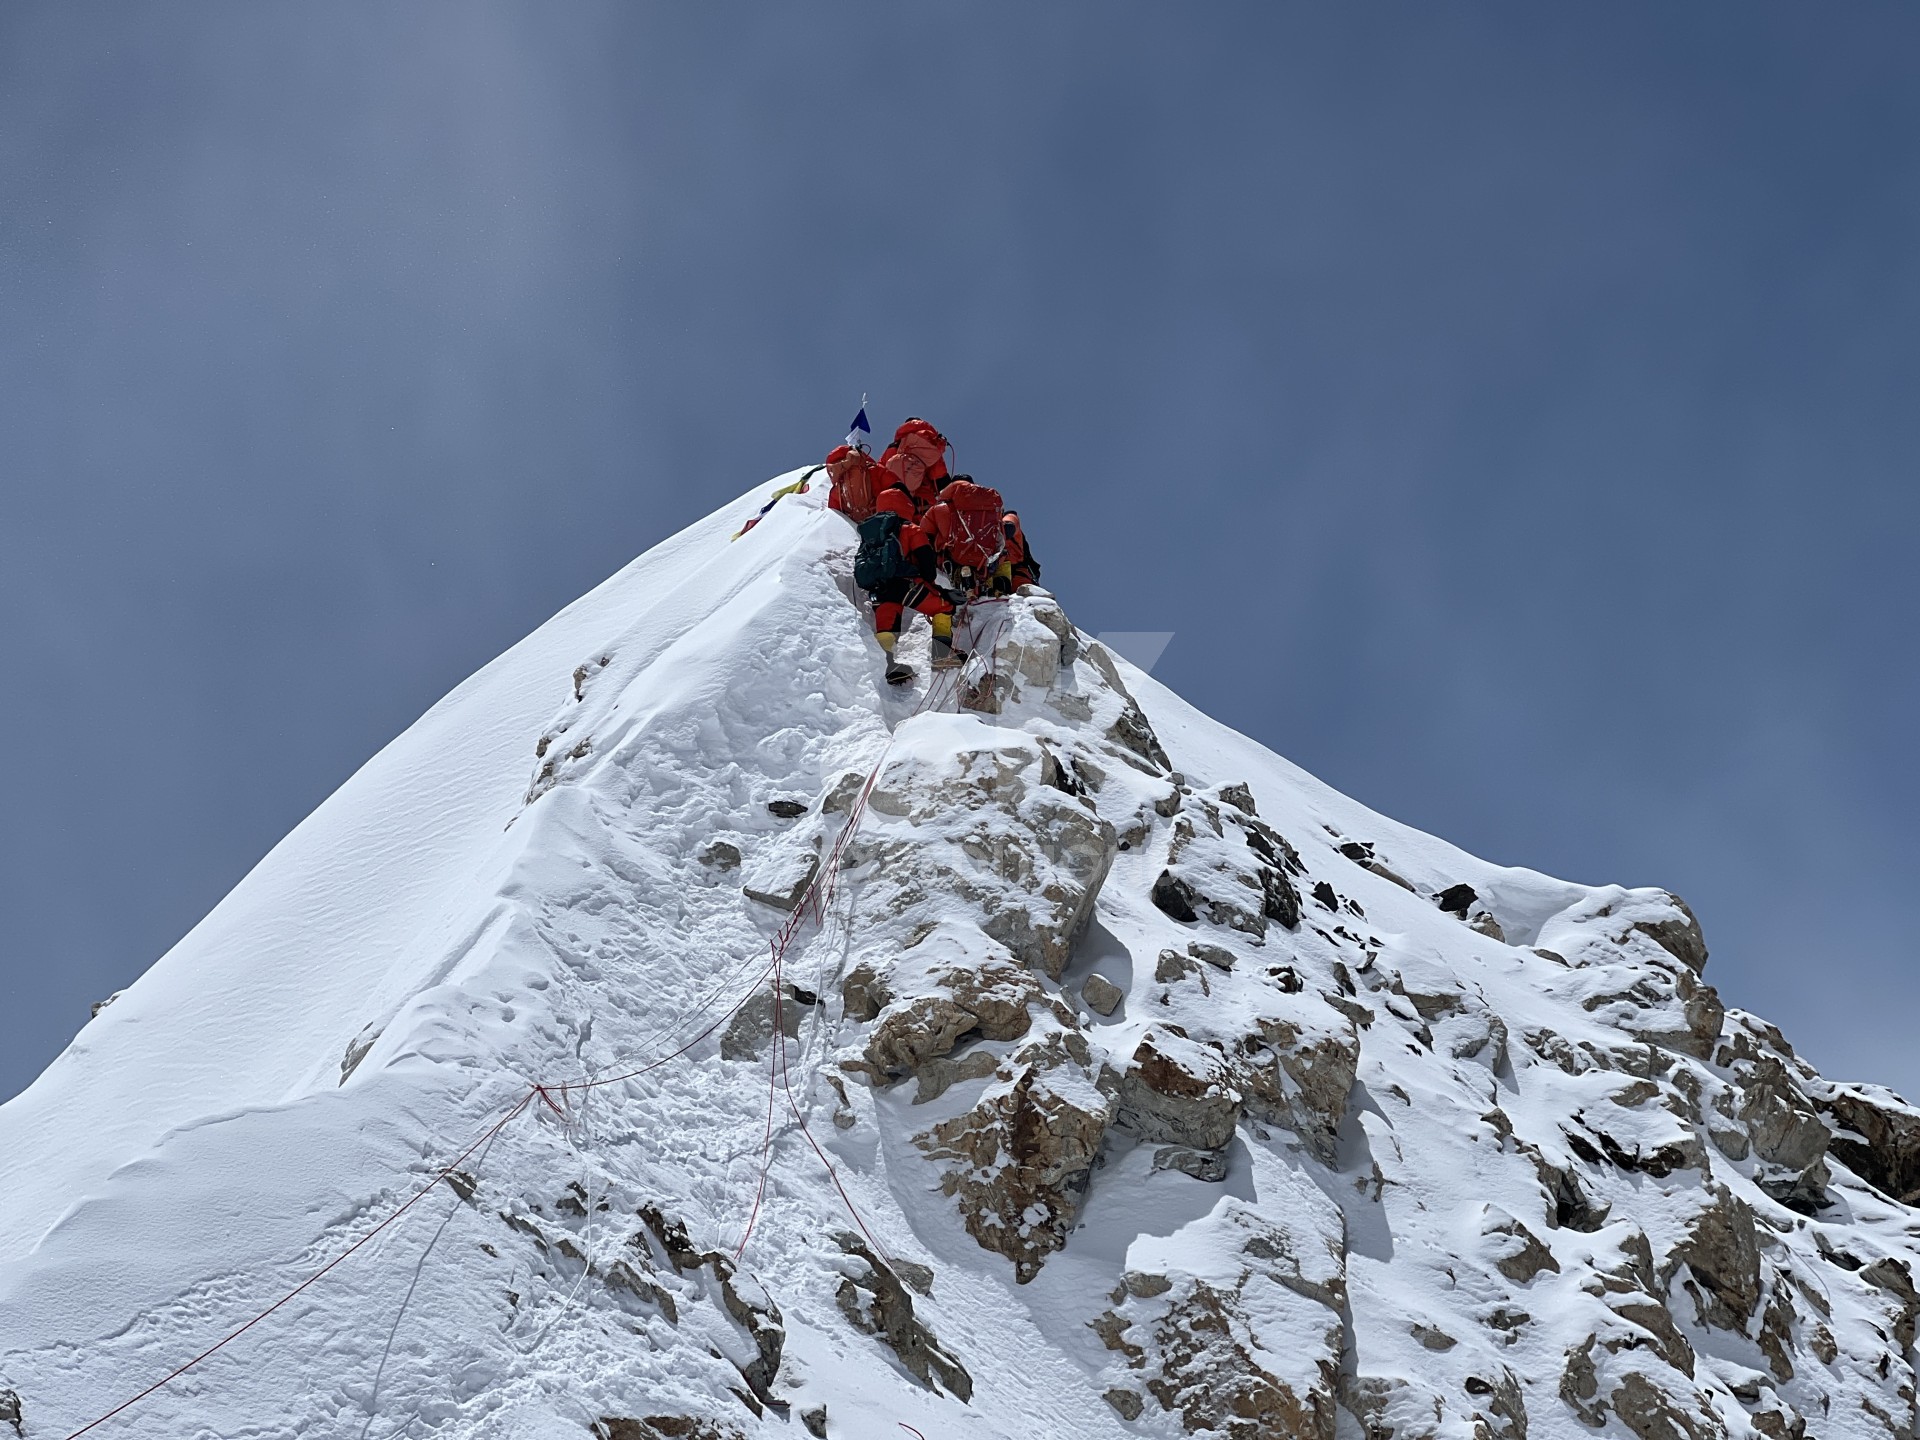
1356	1135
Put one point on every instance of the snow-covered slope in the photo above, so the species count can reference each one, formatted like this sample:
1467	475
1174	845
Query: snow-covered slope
1165	1089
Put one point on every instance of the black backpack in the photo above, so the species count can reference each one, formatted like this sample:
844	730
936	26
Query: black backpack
879	558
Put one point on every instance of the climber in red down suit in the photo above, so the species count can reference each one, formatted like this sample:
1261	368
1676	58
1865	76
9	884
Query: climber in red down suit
895	563
917	459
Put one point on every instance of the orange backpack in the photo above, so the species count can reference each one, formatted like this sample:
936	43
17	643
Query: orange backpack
977	534
851	471
923	445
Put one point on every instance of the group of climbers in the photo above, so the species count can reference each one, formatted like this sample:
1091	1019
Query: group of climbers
930	541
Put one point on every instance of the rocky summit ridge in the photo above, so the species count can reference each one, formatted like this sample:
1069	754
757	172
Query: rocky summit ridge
1167	1091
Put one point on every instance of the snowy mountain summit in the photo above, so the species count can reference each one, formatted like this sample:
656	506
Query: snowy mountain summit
679	1033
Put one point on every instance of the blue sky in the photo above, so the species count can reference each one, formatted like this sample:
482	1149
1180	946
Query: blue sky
1509	408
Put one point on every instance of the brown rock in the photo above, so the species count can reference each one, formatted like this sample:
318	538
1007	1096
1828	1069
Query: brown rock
1680	937
1785	1132
1177	1092
1876	1135
1702	1015
1781	1422
1133	732
747	1034
1028	862
1321	1065
1896	1279
721	855
937	1076
1652	1414
1208	1165
1722	1249
1653	1317
846	790
1021	1159
999	996
865	992
911	1032
1580	1384
789	894
1217	956
1239	796
663	1427
1127	1402
1396	1405
1505	1413
1776	1332
1217	1385
750	1307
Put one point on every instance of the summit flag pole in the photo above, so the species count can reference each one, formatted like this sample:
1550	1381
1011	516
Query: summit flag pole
860	426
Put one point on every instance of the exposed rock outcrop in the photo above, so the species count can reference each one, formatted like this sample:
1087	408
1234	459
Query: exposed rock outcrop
1250	1351
1298	1071
1176	1091
1227	867
873	1298
1721	1248
1876	1135
749	1305
983	829
1516	1251
1260	1015
663	1427
1021	1159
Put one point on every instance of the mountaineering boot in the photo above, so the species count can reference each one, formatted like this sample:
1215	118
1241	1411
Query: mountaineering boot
942	654
897	674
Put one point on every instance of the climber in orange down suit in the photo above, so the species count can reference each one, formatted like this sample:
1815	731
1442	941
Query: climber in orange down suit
895	563
1016	560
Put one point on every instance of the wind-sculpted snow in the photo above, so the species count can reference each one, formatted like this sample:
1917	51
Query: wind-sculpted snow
1166	1090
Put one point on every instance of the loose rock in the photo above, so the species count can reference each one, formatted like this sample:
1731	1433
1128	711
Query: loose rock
1174	896
1103	997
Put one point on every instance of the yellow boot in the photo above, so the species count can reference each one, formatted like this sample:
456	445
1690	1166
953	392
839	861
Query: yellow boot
945	657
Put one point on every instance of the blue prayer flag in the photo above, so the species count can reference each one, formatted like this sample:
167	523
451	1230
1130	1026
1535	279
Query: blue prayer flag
860	426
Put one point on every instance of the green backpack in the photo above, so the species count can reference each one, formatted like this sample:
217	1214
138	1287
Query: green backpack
880	558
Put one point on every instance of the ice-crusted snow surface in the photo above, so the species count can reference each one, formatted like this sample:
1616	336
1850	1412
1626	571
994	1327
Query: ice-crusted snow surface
1175	1092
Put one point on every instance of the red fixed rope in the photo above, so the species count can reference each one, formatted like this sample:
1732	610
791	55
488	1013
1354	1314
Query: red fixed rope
817	897
228	1339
